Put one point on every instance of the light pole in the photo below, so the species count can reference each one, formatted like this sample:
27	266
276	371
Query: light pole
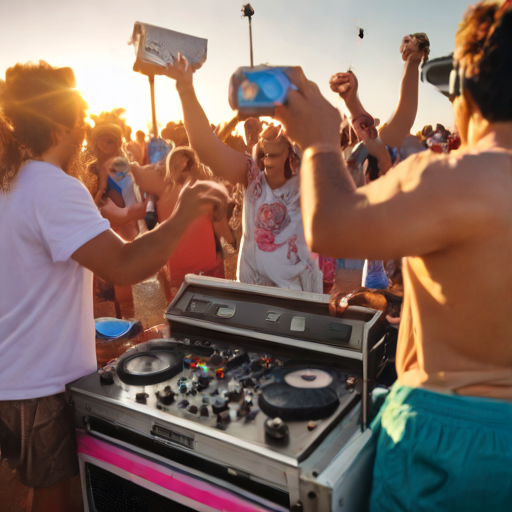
153	106
248	12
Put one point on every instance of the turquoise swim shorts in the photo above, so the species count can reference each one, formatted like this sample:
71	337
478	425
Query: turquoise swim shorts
439	452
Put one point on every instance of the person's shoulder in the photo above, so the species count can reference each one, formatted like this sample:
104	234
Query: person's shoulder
45	182
464	166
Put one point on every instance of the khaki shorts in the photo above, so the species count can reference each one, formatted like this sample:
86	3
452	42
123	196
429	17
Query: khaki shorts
37	437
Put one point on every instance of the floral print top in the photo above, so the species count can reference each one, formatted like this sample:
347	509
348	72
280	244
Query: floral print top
273	249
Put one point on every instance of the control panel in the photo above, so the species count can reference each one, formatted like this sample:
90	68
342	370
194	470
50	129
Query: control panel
280	316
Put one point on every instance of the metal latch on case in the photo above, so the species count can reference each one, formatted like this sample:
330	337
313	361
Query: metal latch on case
273	317
226	312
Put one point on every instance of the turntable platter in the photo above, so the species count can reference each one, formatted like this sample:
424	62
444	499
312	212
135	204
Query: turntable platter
148	368
149	363
289	403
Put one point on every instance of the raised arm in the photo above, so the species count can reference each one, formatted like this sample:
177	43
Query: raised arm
346	86
408	212
222	160
124	264
399	126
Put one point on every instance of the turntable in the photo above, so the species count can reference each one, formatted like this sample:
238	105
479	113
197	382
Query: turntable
258	388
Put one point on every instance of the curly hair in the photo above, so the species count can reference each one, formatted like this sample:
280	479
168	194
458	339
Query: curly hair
35	101
483	50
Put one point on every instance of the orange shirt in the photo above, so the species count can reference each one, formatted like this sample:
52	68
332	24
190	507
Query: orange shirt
196	251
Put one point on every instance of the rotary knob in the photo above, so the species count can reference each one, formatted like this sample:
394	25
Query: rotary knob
141	398
219	405
223	418
350	382
166	397
203	382
276	428
244	410
215	360
107	374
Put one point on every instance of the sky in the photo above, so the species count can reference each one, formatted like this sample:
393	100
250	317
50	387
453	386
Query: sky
92	37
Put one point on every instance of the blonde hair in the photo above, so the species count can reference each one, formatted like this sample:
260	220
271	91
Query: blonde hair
197	170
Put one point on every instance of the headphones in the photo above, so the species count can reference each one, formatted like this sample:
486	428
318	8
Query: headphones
456	83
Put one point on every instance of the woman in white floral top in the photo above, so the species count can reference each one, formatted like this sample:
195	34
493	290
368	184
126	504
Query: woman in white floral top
273	250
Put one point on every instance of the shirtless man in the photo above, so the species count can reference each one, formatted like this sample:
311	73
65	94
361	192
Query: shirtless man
444	435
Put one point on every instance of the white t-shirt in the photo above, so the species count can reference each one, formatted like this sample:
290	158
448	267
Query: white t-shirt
273	250
47	334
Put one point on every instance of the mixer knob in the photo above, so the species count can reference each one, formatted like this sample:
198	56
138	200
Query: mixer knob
251	415
276	428
203	411
106	375
183	389
193	409
223	418
219	405
248	399
244	410
166	396
227	354
215	359
233	385
205	400
183	404
203	382
247	383
141	398
350	382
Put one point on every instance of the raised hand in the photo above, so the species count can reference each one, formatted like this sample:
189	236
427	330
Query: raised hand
345	84
181	71
411	51
364	126
308	117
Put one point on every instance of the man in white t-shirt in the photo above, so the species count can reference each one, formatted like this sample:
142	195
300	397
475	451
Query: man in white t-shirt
52	238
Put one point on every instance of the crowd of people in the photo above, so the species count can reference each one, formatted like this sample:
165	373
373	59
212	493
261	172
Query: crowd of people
260	240
312	201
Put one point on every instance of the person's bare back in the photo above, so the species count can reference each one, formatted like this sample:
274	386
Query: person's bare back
456	332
